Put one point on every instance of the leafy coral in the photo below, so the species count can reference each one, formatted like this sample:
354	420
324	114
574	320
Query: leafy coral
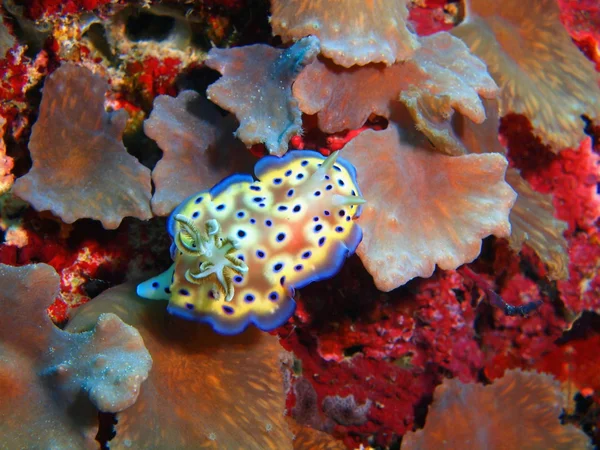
521	410
424	208
204	389
538	68
441	77
198	148
54	380
351	31
257	87
81	168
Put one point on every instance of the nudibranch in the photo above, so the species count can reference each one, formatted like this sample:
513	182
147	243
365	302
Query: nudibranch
241	248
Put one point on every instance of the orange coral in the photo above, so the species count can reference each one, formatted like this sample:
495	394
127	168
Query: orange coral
25	293
441	77
533	222
423	208
52	380
541	73
204	390
351	31
6	163
257	87
81	168
306	438
532	217
198	148
520	410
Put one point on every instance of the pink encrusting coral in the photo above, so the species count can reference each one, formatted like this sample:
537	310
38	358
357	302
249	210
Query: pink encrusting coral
257	87
204	390
520	410
47	373
423	208
81	168
541	73
441	77
198	148
581	18
351	31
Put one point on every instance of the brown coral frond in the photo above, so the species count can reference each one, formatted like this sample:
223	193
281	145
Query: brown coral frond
424	208
198	148
108	364
520	410
441	80
351	31
452	82
30	415
541	73
257	87
307	438
533	223
204	390
81	168
533	216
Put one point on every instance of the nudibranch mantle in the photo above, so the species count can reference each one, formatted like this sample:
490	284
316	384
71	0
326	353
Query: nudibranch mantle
240	249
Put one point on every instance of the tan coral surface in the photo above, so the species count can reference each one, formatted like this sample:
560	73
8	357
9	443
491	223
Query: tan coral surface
205	390
540	71
81	168
424	208
520	410
198	148
351	31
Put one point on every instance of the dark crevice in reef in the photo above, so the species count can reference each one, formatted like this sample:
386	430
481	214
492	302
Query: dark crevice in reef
96	33
106	429
145	26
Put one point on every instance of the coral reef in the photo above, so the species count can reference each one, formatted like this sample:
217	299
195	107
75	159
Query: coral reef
75	146
535	63
532	400
257	87
445	108
351	32
196	394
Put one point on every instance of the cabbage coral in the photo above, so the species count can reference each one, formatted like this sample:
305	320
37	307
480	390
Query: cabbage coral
440	78
257	87
81	168
519	410
204	390
424	208
198	148
54	381
351	31
541	73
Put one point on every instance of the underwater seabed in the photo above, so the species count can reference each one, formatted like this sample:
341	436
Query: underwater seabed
299	225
